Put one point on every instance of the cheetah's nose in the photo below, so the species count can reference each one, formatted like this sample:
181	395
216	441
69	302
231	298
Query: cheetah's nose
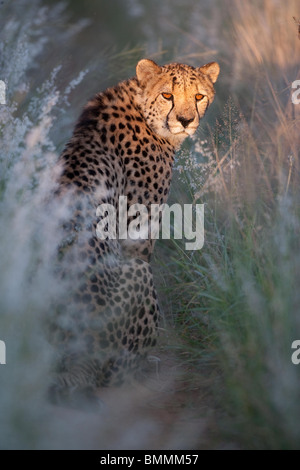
185	122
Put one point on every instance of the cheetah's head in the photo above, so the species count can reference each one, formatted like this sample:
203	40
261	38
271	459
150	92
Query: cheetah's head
174	97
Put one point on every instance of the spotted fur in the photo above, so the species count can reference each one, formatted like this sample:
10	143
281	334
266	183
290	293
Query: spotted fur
123	144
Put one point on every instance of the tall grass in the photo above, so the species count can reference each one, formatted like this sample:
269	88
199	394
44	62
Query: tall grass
240	311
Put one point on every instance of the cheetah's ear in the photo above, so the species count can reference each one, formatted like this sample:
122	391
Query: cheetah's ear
145	70
212	70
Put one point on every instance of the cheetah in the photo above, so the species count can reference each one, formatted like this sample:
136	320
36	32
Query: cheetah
123	145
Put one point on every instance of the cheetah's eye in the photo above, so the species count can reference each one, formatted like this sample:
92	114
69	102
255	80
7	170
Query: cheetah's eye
167	96
199	97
